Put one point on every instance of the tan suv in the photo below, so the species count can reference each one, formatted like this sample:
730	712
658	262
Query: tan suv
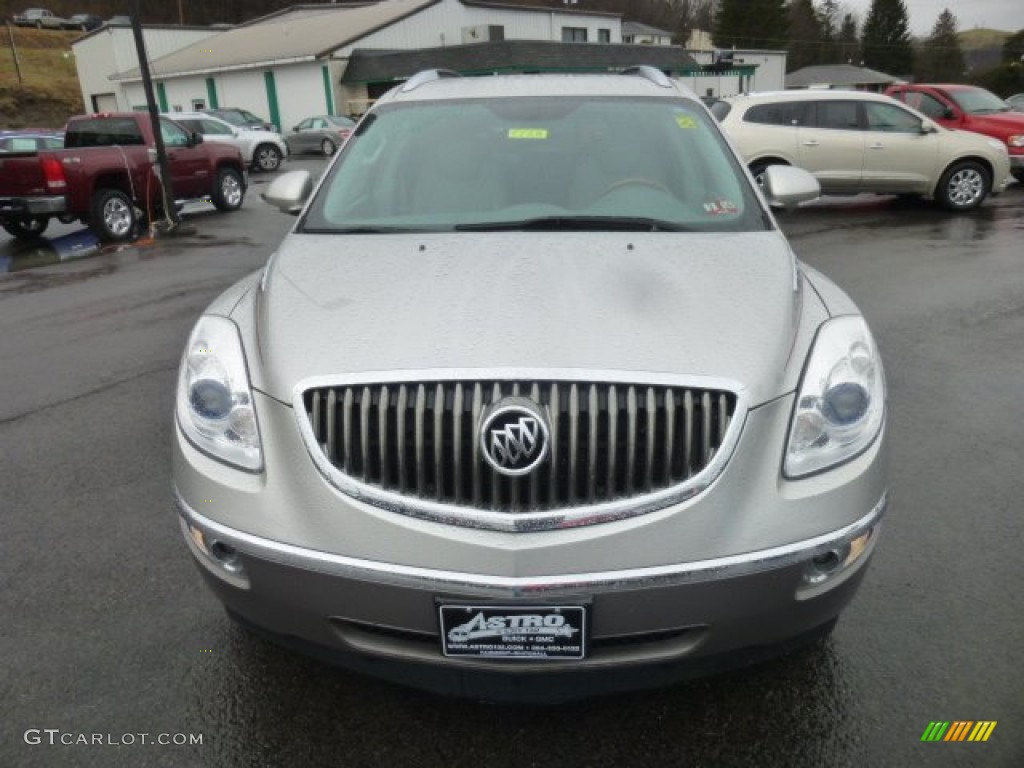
863	142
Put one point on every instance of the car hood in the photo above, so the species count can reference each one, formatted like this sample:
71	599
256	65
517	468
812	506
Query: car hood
717	305
1009	121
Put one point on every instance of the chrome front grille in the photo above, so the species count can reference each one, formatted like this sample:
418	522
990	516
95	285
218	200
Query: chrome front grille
609	441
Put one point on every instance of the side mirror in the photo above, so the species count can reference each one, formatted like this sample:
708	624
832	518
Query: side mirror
295	129
928	127
195	138
948	114
786	186
289	191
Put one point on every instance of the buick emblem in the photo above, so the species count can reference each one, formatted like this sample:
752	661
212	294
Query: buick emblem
514	436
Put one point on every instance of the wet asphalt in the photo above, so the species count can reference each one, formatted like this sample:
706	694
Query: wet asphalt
108	636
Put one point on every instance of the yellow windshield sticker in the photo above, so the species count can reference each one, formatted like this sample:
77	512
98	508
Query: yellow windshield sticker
685	121
527	133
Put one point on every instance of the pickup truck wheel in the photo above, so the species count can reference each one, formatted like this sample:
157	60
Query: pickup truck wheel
327	147
26	229
229	191
963	186
113	215
268	157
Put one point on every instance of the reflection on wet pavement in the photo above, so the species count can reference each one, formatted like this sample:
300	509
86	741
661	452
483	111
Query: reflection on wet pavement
44	251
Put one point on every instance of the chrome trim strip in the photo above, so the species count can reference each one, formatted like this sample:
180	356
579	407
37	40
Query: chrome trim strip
437	580
475	517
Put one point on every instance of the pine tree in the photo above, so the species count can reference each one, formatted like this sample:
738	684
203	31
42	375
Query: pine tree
751	24
848	43
886	43
806	46
942	60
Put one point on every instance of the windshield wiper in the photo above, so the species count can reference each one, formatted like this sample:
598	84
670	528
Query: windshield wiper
578	223
363	230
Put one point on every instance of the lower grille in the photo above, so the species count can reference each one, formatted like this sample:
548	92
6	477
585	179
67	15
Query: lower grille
608	441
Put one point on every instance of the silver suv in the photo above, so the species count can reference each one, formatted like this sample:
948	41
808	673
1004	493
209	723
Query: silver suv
534	400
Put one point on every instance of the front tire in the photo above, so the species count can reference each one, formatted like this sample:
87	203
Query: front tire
328	147
229	191
1018	174
26	229
267	158
113	216
964	186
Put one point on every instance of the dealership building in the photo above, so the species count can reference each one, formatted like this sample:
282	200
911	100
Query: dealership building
337	59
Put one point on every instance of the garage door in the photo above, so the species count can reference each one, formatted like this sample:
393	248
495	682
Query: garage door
104	102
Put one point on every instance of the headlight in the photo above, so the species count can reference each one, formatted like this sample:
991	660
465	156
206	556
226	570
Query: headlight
841	403
1015	141
214	402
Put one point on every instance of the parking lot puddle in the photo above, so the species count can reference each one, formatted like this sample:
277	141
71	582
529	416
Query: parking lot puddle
71	247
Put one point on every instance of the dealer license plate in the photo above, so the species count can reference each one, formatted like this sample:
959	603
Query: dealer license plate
514	631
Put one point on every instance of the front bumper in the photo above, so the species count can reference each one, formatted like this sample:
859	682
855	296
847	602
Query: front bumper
650	625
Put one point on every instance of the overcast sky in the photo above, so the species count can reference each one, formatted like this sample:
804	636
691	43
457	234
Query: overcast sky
1007	15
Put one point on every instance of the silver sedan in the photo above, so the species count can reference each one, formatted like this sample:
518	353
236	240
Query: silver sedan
534	401
323	134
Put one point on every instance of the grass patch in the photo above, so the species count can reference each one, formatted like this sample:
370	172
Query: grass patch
48	93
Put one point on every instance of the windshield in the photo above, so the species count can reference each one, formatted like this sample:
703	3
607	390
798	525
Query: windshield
233	118
536	163
978	101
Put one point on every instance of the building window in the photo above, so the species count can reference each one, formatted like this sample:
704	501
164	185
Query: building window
198	105
574	34
604	35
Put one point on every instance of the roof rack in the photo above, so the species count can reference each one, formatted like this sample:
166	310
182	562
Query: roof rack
648	72
427	76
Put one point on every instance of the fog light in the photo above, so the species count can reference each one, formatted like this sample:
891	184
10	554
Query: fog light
215	556
226	556
824	565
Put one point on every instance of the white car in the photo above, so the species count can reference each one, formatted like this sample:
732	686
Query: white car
853	141
262	150
40	18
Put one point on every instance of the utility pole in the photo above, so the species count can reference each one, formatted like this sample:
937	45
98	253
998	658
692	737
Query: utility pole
14	52
154	119
181	14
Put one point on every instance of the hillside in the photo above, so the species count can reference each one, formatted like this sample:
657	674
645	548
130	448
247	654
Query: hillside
973	39
48	92
983	48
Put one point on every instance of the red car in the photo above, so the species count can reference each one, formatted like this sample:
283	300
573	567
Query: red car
968	108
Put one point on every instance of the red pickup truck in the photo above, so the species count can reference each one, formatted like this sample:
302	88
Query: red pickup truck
107	176
968	108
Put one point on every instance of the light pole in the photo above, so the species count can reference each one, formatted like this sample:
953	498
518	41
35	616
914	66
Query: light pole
154	118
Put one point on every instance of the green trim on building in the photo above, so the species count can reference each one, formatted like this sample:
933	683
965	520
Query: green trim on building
275	112
211	93
328	91
161	96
